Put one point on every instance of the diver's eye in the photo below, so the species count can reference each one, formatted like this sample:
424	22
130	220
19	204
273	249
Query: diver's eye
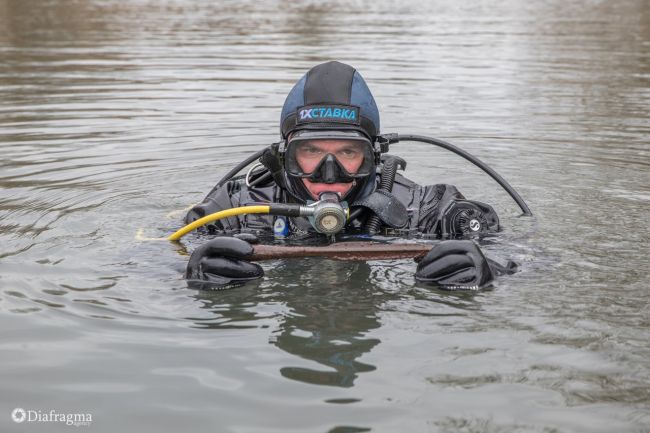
349	153
310	151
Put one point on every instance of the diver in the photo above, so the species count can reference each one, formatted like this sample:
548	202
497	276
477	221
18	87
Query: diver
331	151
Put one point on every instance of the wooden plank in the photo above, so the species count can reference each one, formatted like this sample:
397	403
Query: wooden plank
343	251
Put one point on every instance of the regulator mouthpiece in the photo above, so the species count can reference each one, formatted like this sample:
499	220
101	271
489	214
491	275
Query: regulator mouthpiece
328	215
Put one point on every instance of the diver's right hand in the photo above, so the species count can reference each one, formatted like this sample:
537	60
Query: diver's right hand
219	264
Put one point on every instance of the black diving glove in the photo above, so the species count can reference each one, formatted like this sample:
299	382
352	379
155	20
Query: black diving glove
219	264
455	265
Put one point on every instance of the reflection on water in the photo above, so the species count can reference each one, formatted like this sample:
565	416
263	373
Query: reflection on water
114	114
326	320
326	313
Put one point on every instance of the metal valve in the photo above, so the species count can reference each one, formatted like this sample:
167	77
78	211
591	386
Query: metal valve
328	215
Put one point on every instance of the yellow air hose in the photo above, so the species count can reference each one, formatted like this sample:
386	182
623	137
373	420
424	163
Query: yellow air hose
217	216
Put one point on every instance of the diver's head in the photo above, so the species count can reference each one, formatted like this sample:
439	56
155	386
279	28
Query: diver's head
329	123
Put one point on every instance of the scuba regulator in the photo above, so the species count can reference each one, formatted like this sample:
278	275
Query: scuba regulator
327	215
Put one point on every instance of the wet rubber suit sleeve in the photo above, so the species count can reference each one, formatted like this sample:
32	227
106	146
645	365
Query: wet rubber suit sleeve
220	198
458	263
221	263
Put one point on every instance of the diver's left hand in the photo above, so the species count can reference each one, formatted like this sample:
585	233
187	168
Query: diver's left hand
454	265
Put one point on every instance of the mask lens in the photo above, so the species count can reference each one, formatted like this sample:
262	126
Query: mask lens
349	155
353	157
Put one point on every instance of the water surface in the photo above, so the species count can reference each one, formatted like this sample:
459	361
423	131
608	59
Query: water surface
117	115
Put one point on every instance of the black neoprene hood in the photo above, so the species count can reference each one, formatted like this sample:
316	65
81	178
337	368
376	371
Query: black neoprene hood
331	95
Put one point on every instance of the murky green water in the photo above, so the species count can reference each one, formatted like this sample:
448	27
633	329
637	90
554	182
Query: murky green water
113	114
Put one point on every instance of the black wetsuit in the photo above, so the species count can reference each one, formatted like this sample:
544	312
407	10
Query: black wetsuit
427	207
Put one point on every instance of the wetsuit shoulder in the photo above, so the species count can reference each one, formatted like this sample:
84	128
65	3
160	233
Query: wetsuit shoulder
432	202
219	198
431	206
446	212
234	193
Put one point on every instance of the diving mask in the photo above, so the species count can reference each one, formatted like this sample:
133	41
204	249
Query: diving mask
326	156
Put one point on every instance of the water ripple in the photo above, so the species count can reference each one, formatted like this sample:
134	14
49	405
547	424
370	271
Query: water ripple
115	114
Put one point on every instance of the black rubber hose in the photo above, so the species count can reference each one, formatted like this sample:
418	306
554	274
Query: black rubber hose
240	166
263	178
388	172
474	160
